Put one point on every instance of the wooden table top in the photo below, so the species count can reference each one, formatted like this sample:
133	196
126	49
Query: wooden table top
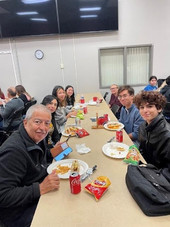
116	207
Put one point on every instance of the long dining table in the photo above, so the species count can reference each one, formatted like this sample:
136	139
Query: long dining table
116	207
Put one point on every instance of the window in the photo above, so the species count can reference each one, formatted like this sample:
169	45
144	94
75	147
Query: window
125	65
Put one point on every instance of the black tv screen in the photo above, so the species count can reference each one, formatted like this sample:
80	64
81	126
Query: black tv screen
27	17
41	17
87	15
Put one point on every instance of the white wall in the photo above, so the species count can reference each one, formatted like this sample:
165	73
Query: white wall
140	22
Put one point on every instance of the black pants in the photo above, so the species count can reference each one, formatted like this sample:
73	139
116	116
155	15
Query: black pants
23	219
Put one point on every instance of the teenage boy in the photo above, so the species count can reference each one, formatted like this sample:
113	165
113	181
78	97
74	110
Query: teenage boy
152	84
129	114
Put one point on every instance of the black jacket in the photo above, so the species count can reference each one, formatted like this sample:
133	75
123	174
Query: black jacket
166	92
154	142
23	166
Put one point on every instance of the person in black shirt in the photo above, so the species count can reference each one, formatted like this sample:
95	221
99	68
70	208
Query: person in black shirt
154	132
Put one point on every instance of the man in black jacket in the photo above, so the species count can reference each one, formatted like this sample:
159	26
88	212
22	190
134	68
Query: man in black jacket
23	163
154	133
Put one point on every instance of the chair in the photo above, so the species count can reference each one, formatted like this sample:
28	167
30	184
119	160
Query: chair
28	105
115	108
6	132
105	95
166	112
160	81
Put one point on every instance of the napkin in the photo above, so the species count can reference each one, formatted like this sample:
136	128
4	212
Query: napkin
82	149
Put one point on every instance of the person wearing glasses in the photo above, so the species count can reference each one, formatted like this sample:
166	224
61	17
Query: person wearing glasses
129	114
114	96
24	159
114	102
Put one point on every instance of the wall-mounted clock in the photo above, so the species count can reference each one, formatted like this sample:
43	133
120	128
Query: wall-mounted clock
39	54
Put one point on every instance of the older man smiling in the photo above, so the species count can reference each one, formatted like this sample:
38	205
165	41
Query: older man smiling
24	160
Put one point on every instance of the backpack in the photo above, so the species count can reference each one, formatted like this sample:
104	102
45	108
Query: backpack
149	188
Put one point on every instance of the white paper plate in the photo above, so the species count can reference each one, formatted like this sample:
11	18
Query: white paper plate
66	134
79	106
113	122
67	162
111	150
73	116
92	103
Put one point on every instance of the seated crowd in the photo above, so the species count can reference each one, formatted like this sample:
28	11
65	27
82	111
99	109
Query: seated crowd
24	178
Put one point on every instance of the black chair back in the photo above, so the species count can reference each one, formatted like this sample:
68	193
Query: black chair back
28	105
6	132
160	81
115	108
105	95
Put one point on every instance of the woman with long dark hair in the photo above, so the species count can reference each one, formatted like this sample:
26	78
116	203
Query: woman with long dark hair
70	96
62	112
23	94
53	136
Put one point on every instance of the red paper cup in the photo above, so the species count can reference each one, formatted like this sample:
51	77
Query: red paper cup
95	99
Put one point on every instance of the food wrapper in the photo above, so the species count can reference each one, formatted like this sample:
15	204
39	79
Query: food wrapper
80	115
82	133
98	187
133	155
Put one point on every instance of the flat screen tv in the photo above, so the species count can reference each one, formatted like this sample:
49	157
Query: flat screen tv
27	17
87	15
42	17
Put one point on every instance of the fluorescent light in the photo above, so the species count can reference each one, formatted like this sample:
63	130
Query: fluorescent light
88	16
26	13
38	19
34	1
90	9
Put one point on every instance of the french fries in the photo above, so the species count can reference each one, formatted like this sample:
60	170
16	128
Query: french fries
62	169
114	126
71	130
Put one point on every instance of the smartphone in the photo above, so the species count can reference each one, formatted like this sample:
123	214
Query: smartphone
65	151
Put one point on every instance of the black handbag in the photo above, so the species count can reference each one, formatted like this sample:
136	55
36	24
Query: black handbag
149	188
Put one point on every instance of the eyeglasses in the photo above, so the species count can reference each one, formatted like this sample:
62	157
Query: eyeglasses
112	88
123	96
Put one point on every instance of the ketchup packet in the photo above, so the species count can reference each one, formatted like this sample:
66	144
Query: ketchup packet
82	133
98	187
133	155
